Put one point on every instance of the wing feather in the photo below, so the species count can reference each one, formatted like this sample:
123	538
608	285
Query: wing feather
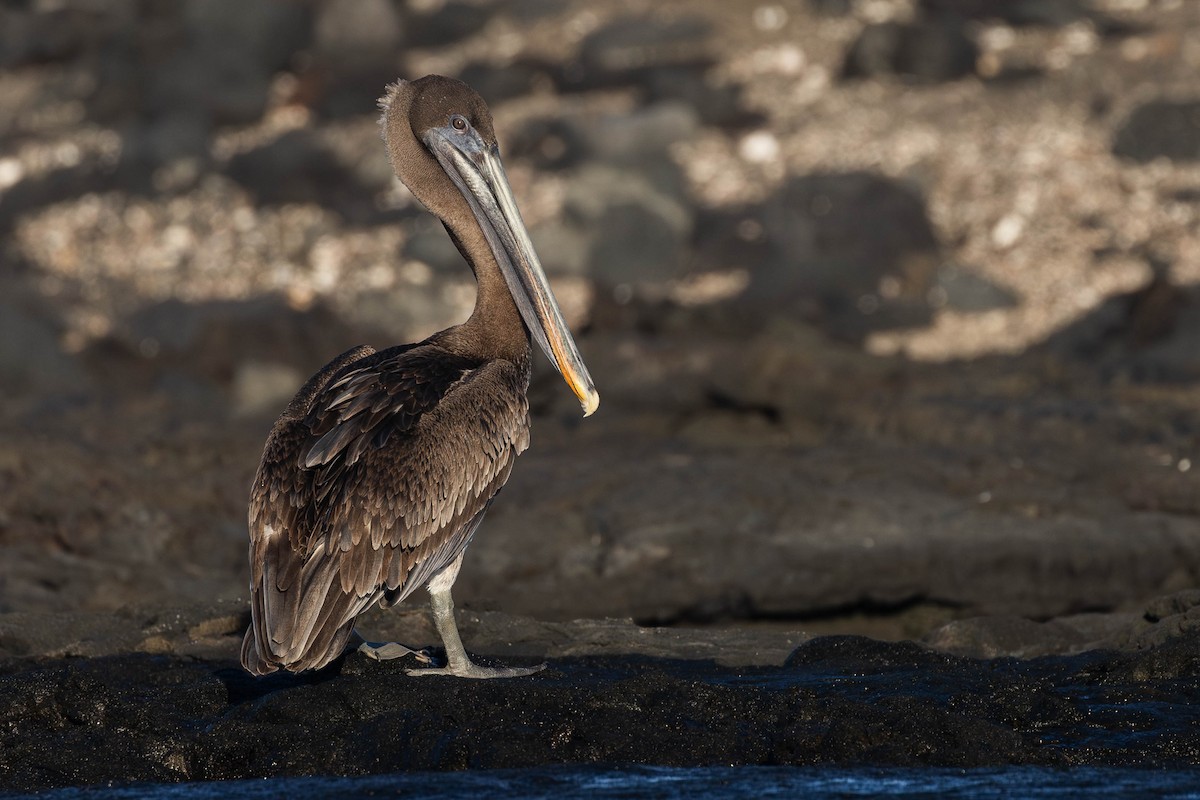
375	478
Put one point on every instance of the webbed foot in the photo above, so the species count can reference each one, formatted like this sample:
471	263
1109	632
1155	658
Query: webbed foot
472	670
386	651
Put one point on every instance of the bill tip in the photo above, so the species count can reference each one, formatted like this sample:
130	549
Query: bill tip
590	402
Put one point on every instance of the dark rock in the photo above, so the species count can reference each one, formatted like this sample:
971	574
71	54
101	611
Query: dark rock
1165	618
734	235
831	8
563	247
449	22
827	217
511	637
853	251
926	51
665	62
295	168
721	106
1100	630
627	49
175	72
496	84
358	32
214	61
1178	603
638	139
301	166
31	361
137	718
1014	75
1145	335
29	36
859	652
397	312
428	243
992	637
1161	129
337	92
86	521
635	247
551	143
638	221
643	135
695	527
195	350
1163	630
213	630
634	42
179	133
235	48
266	33
17	42
1173	660
655	184
1047	13
356	50
963	290
530	10
220	86
1156	312
120	81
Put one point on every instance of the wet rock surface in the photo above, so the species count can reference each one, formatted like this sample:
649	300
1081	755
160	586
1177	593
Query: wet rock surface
834	700
157	696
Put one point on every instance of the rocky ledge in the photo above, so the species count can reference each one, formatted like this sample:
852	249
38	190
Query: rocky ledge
612	693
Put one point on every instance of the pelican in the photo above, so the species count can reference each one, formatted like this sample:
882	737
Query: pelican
377	475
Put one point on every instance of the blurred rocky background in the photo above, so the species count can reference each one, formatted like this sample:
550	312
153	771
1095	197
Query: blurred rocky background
892	304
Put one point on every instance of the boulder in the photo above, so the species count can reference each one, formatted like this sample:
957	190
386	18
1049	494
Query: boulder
1168	129
929	51
852	251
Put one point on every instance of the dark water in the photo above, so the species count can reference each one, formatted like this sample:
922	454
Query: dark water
815	783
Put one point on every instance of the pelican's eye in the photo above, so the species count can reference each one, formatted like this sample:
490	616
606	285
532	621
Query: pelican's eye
459	123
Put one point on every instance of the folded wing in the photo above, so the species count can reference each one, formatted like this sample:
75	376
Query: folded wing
373	480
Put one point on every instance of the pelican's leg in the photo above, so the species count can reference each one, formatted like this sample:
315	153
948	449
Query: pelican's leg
458	663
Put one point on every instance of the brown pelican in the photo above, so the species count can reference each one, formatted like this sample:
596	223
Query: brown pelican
381	468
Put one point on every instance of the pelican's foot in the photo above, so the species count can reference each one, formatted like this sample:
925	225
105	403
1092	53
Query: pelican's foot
386	651
473	670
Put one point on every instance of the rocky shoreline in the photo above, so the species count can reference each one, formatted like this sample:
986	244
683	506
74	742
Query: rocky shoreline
160	699
141	717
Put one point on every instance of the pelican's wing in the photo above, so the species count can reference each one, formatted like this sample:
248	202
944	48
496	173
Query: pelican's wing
373	491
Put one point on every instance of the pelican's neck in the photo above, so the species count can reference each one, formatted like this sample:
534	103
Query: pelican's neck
495	328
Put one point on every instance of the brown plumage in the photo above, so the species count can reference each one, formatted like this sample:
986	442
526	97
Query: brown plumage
378	473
